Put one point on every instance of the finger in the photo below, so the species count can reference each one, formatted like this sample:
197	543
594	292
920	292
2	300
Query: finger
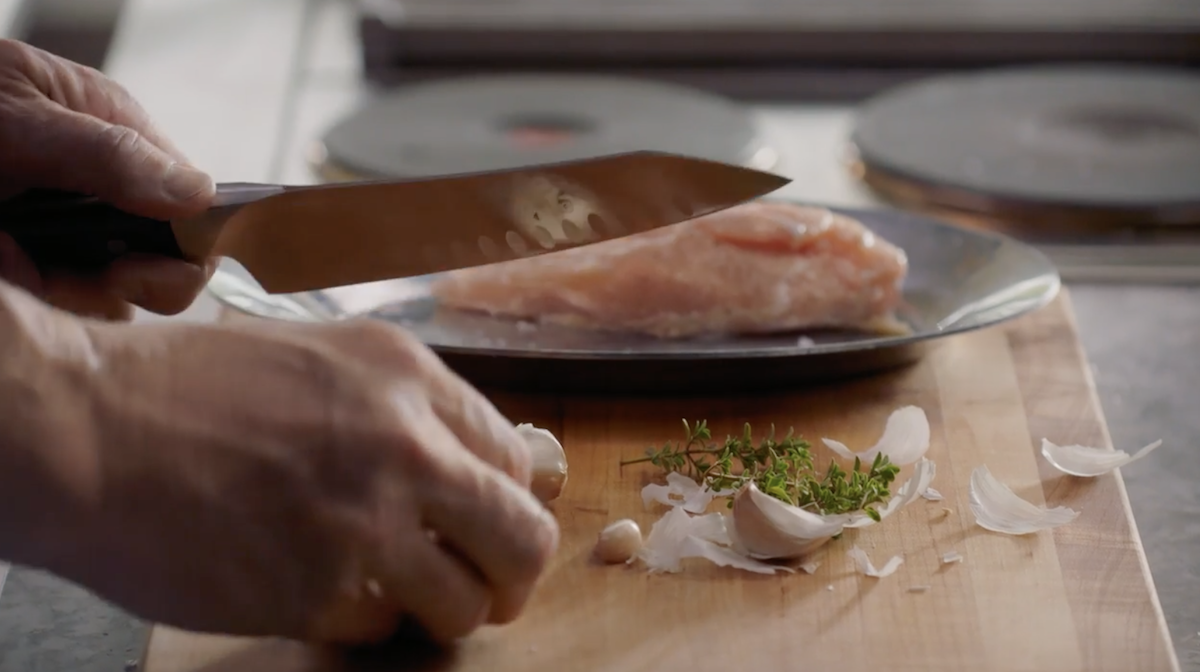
158	284
477	423
486	517
87	90
441	592
73	151
86	297
356	617
17	268
112	102
480	426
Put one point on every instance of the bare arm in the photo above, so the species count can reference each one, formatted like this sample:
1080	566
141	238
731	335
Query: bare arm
49	482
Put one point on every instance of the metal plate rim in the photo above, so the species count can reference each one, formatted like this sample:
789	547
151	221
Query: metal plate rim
1048	284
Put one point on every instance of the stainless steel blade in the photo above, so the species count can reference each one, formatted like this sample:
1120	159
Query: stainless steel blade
334	235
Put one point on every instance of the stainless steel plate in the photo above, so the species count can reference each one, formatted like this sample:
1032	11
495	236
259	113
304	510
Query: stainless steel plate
959	280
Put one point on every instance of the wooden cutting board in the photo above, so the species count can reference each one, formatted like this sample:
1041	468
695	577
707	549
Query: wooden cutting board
1079	598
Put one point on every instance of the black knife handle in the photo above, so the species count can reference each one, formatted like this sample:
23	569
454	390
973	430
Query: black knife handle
81	234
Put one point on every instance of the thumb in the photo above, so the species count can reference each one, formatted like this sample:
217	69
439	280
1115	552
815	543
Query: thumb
85	154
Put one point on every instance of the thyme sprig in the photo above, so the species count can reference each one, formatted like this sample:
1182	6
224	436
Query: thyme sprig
781	468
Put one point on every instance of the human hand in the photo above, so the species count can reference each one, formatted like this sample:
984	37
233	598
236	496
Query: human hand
318	482
68	127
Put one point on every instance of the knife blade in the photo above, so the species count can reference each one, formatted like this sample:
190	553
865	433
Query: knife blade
303	238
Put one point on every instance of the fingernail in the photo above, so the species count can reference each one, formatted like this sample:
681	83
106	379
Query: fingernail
184	183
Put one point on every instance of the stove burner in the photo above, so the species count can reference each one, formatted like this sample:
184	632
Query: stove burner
471	124
1055	150
1125	126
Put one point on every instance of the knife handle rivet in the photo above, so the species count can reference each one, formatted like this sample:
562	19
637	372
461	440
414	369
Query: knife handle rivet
117	247
516	243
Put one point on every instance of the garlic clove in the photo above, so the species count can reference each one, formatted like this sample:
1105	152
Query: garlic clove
770	529
867	568
549	462
1089	462
999	509
619	542
905	439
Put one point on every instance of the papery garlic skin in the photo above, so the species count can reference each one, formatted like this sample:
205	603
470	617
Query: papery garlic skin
680	491
999	509
905	439
619	542
679	535
549	462
1090	462
865	567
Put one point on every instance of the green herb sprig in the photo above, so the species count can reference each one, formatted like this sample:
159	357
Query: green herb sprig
780	468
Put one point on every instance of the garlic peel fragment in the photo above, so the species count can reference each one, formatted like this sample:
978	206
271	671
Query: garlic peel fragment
951	557
549	462
905	439
999	509
680	491
914	487
867	568
1089	462
678	536
933	495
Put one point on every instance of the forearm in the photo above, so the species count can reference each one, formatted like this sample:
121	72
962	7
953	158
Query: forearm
49	471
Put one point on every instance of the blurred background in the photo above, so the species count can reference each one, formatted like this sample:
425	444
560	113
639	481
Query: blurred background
1085	142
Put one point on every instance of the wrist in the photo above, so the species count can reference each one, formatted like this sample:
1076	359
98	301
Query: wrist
50	478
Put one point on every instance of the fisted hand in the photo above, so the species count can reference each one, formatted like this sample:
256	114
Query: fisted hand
350	482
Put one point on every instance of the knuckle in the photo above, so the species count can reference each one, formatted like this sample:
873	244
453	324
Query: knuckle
535	542
398	345
116	140
15	57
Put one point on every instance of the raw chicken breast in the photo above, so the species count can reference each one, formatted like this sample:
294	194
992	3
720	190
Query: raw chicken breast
760	267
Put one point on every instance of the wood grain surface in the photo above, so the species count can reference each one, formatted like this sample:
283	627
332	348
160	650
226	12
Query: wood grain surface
1079	598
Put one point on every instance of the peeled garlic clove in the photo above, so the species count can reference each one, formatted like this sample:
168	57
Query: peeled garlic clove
1088	462
549	462
619	542
905	439
999	509
770	529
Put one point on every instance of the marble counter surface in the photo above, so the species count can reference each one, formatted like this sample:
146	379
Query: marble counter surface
244	86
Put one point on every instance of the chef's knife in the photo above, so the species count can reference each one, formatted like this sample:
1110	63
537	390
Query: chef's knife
294	239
